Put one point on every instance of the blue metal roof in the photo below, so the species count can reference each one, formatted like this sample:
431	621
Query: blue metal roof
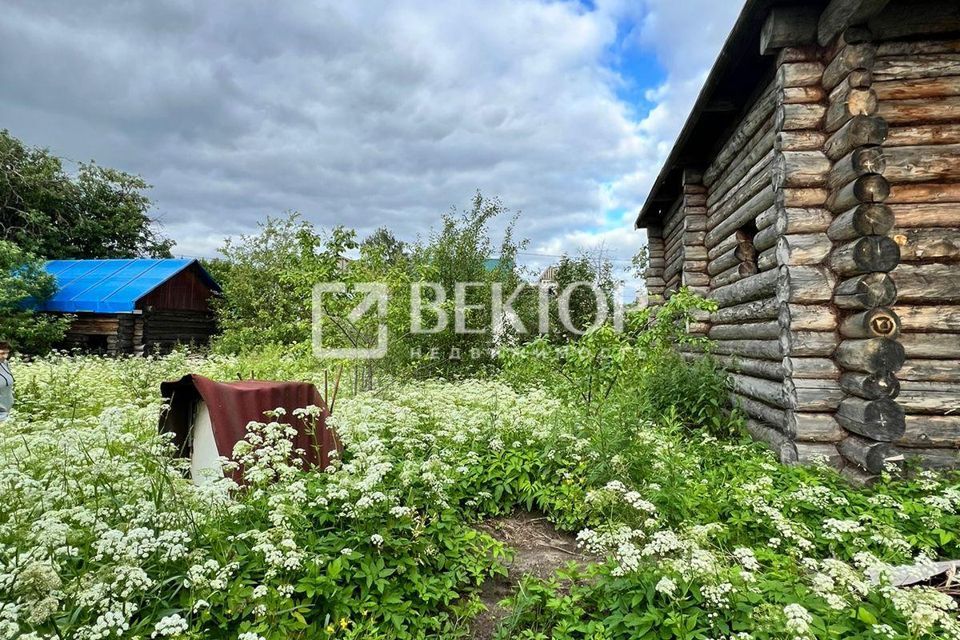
110	286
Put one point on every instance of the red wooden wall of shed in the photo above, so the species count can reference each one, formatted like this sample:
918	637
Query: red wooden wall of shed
184	291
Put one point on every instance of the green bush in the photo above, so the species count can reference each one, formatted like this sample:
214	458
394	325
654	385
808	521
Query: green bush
23	285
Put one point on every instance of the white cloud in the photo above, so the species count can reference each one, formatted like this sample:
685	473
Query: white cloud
365	113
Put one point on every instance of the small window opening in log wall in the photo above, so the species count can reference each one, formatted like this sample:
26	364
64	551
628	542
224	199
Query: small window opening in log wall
745	250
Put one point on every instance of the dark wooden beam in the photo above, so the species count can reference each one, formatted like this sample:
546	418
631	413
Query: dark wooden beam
841	14
789	27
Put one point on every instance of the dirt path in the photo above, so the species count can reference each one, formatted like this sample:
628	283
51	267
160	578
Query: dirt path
539	550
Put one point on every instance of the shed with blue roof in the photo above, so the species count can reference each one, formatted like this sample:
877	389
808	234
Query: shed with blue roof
133	305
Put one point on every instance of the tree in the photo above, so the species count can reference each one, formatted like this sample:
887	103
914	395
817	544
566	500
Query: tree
267	280
97	213
24	284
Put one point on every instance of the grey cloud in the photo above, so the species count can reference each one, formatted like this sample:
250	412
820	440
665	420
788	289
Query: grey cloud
364	114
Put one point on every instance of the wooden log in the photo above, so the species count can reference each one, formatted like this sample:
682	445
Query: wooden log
939	87
724	262
799	53
767	260
746	168
880	420
780	444
928	318
851	57
767	391
930	370
862	220
870	386
921	110
765	238
903	20
799	140
791	117
818	453
931	458
935	398
733	274
936	194
801	197
859	131
942	245
740	217
865	189
916	66
723	246
813	427
815	368
804	285
865	255
936	346
802	220
931	431
927	163
767	330
788	27
935	283
763	309
919	134
812	395
771	415
926	215
866	291
769	369
799	74
879	322
870	355
848	104
756	287
801	317
869	455
803	249
914	47
808	343
859	162
695	279
767	218
799	169
758	349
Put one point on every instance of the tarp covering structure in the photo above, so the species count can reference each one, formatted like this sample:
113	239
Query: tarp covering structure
199	406
111	286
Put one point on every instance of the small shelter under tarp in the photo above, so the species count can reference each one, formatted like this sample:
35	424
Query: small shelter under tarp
208	418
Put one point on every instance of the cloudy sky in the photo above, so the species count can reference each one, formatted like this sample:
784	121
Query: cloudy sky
367	113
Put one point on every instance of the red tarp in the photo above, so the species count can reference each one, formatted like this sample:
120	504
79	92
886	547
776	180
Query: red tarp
232	405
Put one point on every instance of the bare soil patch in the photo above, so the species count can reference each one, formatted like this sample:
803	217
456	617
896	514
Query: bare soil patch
539	550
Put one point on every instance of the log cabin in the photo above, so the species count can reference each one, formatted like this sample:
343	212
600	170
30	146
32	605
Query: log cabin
814	194
133	306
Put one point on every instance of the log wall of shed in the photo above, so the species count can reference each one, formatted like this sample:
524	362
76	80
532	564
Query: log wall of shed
831	231
917	84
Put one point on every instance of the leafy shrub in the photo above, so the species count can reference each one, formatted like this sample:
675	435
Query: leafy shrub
23	285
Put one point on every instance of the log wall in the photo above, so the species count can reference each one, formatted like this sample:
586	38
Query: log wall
827	229
740	244
918	95
656	261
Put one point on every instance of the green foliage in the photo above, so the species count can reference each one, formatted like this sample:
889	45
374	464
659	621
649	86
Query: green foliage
23	284
638	371
96	213
268	279
694	537
583	304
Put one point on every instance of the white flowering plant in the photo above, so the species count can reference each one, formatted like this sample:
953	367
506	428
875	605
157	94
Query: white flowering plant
102	536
